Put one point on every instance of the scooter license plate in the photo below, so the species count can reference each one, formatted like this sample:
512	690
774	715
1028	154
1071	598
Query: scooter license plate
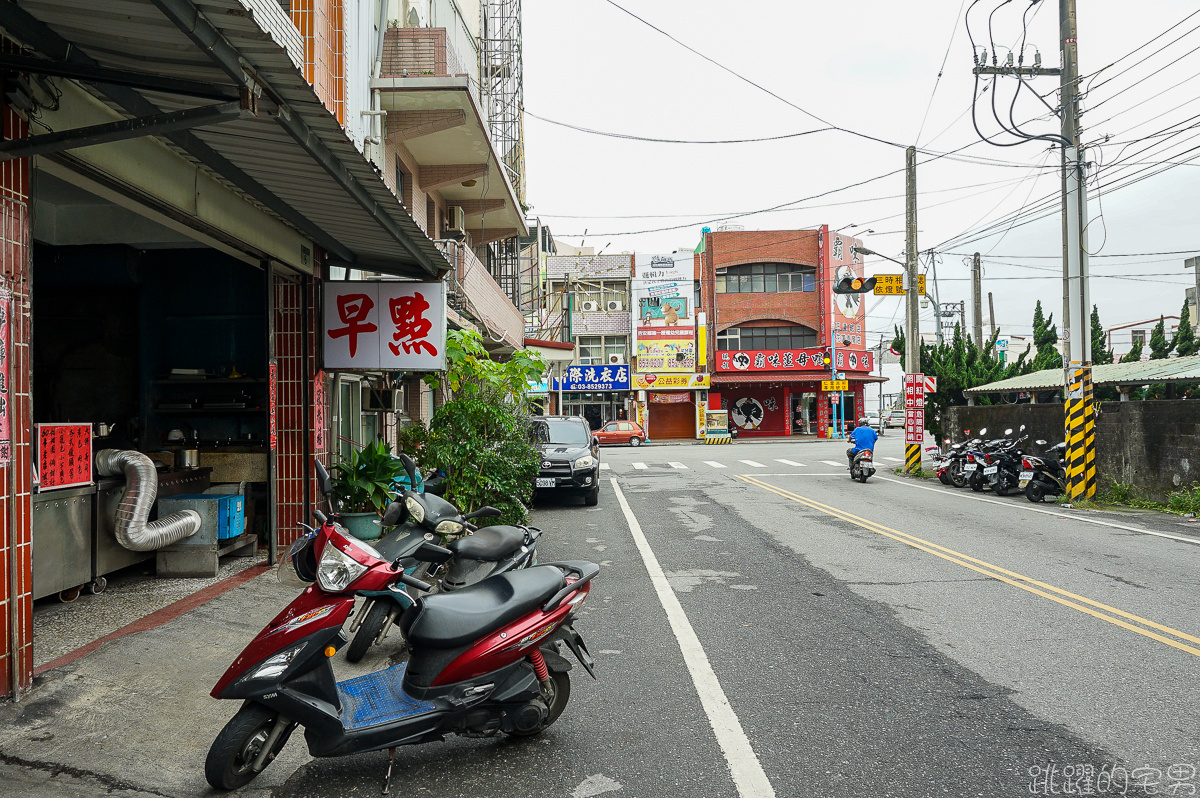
989	470
968	467
545	482
1026	476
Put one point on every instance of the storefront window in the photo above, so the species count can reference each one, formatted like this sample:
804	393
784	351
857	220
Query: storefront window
792	337
769	278
349	417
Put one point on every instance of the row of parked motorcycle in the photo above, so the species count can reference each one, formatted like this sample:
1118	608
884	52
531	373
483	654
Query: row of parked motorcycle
1002	465
485	627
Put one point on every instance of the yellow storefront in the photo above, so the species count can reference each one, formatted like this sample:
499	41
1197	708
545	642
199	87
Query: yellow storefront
671	405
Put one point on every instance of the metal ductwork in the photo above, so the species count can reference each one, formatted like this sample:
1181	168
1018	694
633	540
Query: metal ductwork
141	488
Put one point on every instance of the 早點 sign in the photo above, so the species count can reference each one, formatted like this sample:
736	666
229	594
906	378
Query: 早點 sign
382	325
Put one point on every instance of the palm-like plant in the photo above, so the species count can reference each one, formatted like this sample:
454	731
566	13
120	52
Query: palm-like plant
363	483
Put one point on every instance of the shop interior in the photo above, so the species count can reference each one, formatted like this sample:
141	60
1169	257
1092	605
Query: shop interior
159	344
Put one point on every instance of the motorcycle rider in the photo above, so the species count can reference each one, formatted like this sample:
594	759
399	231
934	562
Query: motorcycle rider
864	437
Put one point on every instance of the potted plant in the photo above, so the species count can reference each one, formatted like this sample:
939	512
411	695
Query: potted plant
363	488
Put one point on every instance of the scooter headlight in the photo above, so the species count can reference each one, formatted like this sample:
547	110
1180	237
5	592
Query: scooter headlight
415	509
276	665
449	528
337	569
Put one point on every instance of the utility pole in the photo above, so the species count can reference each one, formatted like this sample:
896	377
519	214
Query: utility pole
1194	263
912	335
937	299
1080	409
991	315
976	293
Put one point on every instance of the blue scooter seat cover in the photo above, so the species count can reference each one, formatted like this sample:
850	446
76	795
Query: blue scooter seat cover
377	698
449	620
490	544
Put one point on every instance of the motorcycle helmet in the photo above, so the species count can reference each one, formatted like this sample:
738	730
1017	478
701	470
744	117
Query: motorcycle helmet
862	422
298	567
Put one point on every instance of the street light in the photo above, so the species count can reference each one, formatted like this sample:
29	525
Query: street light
865	251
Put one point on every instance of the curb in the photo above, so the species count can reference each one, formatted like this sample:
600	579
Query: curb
159	617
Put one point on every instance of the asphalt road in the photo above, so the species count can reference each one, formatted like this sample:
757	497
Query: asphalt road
896	638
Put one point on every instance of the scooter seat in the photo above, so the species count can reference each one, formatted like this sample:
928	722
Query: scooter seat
449	620
489	544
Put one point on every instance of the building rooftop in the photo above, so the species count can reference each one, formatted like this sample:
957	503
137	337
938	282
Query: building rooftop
1179	369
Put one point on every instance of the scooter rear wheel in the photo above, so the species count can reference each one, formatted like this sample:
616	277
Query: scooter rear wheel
560	682
1034	492
230	762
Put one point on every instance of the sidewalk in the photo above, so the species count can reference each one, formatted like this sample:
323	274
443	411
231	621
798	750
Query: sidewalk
131	715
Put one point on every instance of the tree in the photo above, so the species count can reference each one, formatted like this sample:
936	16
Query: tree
1100	355
1134	354
481	437
1185	342
1045	340
1159	346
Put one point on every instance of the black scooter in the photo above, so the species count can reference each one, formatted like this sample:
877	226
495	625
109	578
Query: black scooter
1045	476
476	555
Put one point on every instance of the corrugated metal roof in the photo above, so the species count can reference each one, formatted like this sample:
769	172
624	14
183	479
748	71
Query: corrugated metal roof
136	35
1145	372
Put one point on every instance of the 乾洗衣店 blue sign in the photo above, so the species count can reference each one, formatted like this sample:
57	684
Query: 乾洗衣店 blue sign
595	378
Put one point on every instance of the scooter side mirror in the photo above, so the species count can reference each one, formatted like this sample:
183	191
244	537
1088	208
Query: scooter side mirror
982	431
1022	429
410	468
394	514
1008	432
1040	442
324	480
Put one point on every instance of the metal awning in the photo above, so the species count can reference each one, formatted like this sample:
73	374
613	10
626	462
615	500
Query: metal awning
1145	372
291	157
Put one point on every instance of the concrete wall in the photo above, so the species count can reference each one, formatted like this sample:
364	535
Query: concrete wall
1154	446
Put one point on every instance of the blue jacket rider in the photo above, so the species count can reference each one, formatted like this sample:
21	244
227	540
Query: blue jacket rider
864	437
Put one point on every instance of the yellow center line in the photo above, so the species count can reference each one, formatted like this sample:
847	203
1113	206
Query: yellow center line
996	572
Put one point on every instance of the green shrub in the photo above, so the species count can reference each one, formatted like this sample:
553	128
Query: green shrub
1185	501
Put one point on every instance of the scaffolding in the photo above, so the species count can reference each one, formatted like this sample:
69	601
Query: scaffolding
502	87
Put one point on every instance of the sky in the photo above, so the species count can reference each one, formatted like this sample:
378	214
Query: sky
870	69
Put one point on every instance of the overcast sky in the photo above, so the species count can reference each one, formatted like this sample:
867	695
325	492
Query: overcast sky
871	68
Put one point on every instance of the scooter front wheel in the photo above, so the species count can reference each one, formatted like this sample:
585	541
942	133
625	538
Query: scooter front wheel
364	638
560	686
230	762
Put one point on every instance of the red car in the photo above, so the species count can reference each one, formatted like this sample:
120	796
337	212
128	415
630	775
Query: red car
621	432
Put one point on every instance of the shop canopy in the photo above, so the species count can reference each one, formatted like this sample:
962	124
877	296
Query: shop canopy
222	83
1145	372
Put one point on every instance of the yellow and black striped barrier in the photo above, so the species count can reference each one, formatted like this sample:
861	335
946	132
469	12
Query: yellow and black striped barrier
1081	434
912	458
718	438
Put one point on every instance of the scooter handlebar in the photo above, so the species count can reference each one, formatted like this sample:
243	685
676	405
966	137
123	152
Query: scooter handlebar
412	581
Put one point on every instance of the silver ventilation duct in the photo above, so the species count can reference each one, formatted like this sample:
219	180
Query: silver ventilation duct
141	488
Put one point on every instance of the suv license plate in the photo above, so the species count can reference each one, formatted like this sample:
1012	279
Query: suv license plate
545	482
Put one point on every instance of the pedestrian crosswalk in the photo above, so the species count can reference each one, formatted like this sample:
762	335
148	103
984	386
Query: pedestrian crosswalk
738	466
605	467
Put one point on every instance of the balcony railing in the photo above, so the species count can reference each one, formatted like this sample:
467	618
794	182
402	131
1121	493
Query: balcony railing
424	52
473	291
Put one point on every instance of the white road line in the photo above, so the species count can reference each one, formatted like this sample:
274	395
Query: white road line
788	462
714	464
605	467
830	462
893	459
676	465
747	772
639	466
1025	505
752	463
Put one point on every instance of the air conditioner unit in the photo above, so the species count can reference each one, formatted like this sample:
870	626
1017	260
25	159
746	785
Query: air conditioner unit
378	400
456	221
614	305
616	360
589	305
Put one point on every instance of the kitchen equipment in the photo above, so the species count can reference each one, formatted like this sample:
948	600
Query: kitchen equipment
104	430
175	435
187	458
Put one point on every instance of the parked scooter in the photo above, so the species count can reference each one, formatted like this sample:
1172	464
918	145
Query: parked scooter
475	554
484	660
1047	475
1004	469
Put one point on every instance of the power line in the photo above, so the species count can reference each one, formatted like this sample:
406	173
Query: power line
674	141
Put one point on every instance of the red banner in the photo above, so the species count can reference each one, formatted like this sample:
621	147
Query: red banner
64	455
855	360
914	408
6	394
674	398
272	396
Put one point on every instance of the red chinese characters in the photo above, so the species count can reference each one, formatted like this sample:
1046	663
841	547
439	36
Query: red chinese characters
408	317
354	310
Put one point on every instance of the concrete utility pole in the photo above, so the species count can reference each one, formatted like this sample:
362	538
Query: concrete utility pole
991	314
976	292
1194	263
912	335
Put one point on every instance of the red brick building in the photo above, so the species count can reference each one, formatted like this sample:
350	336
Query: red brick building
771	314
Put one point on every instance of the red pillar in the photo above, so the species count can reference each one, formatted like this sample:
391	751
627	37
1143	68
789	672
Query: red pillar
16	526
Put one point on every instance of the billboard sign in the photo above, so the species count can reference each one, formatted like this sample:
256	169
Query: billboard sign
914	408
384	325
664	300
857	360
595	378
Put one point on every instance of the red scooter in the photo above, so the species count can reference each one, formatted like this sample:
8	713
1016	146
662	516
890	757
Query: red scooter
485	659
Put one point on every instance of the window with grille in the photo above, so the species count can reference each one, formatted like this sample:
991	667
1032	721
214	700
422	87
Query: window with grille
794	337
766	278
